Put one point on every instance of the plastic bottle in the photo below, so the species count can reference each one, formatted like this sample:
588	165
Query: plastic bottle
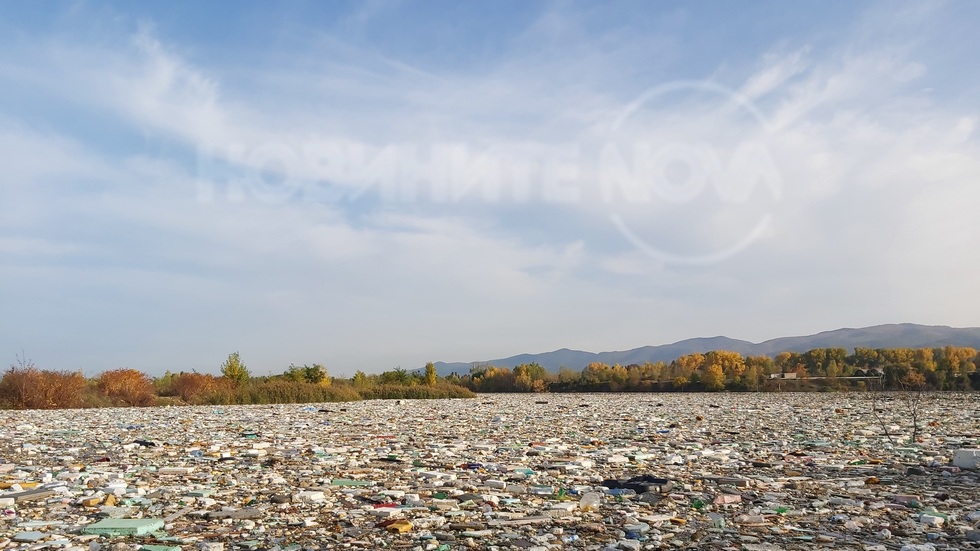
590	501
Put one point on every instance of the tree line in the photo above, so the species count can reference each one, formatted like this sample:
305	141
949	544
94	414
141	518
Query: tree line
944	368
25	386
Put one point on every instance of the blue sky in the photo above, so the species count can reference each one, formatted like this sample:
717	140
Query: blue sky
370	185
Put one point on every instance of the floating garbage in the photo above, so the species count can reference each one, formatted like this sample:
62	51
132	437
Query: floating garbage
635	471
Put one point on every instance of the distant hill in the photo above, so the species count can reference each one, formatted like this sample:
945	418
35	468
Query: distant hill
898	335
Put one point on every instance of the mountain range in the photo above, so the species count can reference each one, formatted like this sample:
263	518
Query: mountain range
900	335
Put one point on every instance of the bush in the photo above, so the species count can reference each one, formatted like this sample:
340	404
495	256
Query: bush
279	391
127	387
283	391
27	387
193	387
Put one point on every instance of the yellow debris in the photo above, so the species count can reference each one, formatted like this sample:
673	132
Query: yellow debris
399	527
6	485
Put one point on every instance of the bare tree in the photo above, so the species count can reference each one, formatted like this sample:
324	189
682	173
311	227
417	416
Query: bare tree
876	398
909	398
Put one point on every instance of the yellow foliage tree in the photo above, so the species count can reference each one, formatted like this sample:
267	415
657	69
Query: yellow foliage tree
732	363
713	378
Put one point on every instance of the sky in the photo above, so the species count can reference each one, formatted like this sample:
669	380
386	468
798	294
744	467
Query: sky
373	185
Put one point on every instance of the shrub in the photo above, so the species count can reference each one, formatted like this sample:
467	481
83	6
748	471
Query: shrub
127	387
280	391
27	387
418	392
193	387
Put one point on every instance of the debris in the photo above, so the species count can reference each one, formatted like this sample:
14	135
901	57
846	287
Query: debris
124	527
758	473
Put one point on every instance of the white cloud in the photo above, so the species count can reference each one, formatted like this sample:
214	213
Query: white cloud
777	72
264	244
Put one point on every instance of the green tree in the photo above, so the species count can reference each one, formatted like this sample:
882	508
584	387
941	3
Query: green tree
294	373
234	369
753	377
397	376
815	360
568	375
833	370
315	374
431	376
866	357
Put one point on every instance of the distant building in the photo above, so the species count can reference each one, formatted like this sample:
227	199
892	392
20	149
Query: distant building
783	375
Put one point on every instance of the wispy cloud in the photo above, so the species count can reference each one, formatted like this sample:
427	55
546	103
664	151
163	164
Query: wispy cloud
347	195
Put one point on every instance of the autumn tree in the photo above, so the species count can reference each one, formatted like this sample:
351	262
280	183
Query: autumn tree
530	377
838	355
685	366
788	362
713	378
924	360
833	370
752	377
431	376
532	370
757	370
127	387
595	372
194	387
647	371
316	374
24	386
492	379
234	369
732	364
618	374
360	379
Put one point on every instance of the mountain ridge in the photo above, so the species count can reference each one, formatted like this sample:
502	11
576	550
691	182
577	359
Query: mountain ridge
891	335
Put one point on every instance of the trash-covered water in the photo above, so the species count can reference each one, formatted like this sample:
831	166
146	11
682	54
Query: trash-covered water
594	471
